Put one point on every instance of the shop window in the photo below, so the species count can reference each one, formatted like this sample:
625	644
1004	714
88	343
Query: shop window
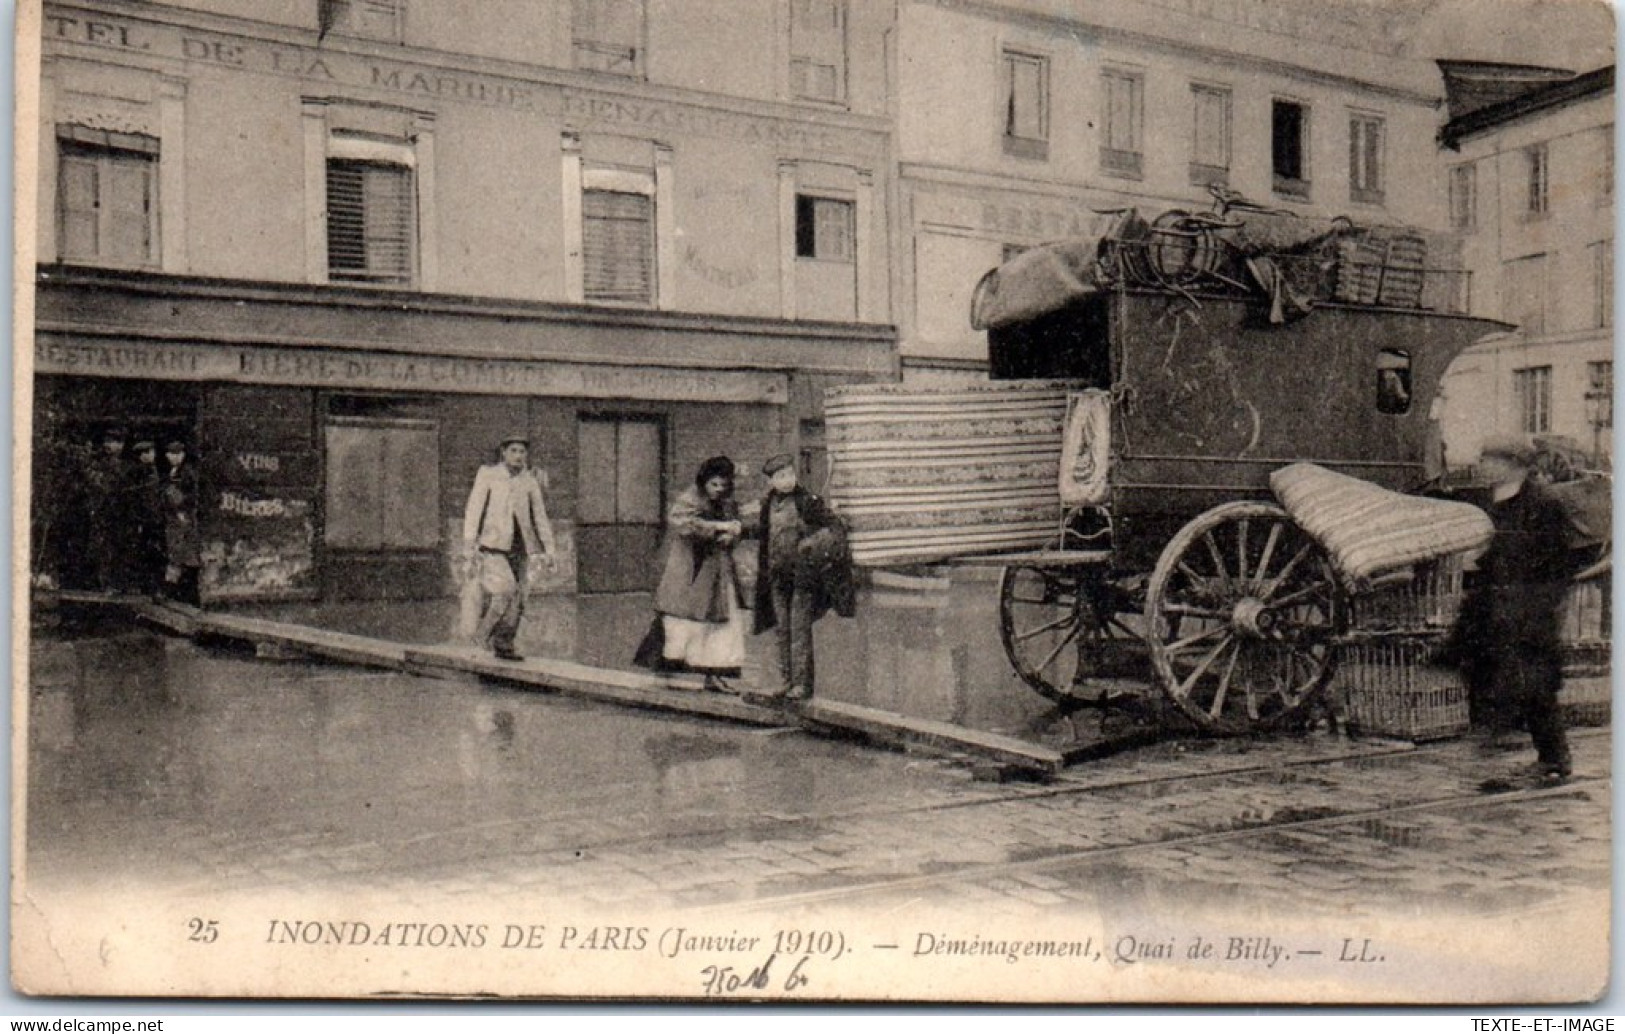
107	204
818	49
371	225
383	484
1537	163
607	36
618	237
368	19
824	229
1365	159
1464	197
1210	146
1122	130
1532	388
1393	381
1289	148
1026	105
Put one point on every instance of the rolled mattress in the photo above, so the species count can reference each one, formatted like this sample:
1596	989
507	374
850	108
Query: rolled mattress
926	474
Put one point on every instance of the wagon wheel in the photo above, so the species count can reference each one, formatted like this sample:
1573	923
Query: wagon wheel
1063	628
1244	606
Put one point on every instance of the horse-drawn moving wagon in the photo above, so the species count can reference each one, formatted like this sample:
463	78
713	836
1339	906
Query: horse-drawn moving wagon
1192	455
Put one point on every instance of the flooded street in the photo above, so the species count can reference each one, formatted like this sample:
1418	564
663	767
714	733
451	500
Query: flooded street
931	651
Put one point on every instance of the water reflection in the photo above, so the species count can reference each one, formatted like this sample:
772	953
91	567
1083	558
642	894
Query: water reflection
931	653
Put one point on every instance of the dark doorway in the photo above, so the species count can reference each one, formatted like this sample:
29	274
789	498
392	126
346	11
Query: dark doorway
621	500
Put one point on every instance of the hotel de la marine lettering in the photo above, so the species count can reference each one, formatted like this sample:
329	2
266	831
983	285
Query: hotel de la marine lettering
339	248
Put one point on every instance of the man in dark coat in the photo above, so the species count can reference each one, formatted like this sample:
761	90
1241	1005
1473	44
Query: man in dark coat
146	513
108	541
803	572
1509	629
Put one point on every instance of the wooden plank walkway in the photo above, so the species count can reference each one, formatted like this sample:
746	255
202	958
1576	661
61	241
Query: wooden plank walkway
908	731
671	694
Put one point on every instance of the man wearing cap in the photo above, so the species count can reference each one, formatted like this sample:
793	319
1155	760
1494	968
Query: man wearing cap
802	572
182	543
1508	631
504	525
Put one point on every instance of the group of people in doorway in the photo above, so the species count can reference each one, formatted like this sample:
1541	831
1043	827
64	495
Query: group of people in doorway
141	518
710	590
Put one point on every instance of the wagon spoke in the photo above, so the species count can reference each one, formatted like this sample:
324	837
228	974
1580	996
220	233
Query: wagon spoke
1218	558
1192	611
1224	682
1241	552
1198	637
1204	665
1268	554
1070	635
1286	572
1314	589
1041	629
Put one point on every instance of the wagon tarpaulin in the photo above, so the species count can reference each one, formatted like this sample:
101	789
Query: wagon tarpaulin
1369	530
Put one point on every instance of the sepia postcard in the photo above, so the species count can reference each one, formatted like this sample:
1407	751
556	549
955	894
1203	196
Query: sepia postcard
942	501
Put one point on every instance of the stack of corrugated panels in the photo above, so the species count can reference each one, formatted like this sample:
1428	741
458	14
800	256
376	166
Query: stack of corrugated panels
926	474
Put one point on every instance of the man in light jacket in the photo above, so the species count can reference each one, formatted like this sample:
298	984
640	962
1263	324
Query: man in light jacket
504	526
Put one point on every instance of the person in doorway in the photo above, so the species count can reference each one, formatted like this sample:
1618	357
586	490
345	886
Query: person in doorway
505	530
183	560
804	572
1507	636
107	532
699	609
147	516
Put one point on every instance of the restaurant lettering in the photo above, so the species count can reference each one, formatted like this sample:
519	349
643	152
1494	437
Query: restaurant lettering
329	367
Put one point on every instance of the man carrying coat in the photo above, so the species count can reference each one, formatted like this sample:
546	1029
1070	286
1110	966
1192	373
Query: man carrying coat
504	525
803	572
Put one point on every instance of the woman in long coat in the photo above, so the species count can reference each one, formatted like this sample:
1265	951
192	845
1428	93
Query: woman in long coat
700	608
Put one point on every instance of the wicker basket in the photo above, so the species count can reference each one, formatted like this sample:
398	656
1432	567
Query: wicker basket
1390	686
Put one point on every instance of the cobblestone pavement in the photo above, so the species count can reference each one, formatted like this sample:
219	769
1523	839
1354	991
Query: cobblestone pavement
159	764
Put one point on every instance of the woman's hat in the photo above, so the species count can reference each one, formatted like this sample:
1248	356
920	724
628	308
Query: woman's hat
778	463
716	466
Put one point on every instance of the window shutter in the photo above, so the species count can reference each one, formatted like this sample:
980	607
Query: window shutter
818	49
832	229
608	35
128	219
1212	129
617	241
1025	118
77	185
369	222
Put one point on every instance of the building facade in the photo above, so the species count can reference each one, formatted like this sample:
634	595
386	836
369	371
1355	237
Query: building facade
340	247
1530	184
1018	121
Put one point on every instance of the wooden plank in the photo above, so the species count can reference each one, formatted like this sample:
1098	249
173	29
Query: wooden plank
1039	558
175	619
338	646
681	695
904	730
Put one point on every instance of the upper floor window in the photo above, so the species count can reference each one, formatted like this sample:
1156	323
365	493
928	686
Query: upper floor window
1605	166
371	19
1532	387
1600	393
1464	196
107	203
618	237
1289	148
1602	284
1026	105
1210	146
818	49
1121	149
1523	289
824	229
607	35
1365	159
1537	160
371	211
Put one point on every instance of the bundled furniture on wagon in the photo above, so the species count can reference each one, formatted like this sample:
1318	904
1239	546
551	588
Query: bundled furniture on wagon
1194	454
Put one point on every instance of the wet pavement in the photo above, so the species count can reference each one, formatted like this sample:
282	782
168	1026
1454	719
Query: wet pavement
932	652
155	762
